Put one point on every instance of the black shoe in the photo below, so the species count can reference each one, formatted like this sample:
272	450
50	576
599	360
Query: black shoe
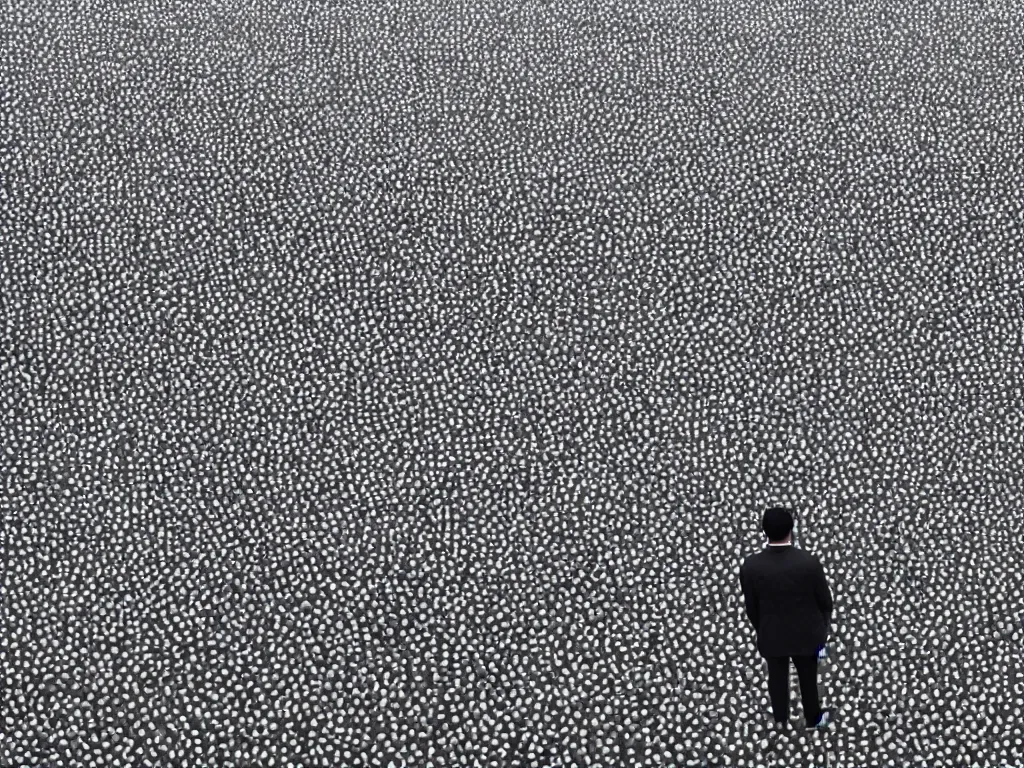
824	720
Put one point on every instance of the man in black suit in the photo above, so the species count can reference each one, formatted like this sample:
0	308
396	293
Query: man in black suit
789	603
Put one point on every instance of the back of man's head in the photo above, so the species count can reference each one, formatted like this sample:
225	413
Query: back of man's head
777	523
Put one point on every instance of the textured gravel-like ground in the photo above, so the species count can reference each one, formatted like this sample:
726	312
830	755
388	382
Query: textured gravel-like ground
405	381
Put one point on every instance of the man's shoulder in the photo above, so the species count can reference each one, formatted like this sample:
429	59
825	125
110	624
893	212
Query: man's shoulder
752	558
807	555
807	559
794	551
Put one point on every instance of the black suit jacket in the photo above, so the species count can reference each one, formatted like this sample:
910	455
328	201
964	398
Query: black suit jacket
787	600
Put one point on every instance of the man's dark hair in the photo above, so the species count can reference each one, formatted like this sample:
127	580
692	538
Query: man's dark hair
777	523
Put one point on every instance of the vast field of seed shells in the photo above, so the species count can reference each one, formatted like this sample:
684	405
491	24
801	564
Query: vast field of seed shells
401	383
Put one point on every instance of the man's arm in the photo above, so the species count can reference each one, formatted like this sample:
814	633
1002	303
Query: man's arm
749	598
822	594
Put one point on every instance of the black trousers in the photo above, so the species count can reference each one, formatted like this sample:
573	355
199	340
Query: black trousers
778	686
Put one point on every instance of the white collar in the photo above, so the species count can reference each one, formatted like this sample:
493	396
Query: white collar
787	544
